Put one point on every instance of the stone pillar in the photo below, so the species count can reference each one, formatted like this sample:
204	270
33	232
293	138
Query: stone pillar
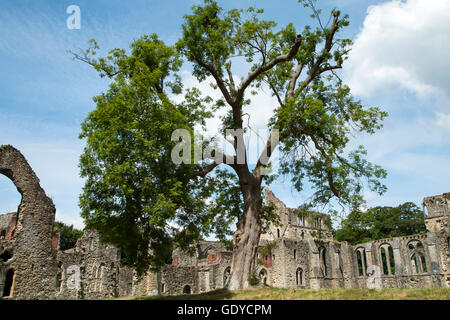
399	268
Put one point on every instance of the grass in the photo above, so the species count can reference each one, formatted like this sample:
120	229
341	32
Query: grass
266	293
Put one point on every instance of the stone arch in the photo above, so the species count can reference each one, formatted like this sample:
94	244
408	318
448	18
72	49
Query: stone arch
361	261
187	289
35	203
417	258
299	277
387	259
264	276
33	229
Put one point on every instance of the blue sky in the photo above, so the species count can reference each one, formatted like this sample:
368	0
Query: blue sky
399	63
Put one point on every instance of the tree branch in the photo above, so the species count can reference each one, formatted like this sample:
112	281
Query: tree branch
263	68
316	68
215	73
294	76
230	77
84	58
202	173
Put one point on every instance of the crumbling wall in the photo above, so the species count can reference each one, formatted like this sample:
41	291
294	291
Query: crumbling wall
293	224
175	279
437	205
98	265
33	261
302	255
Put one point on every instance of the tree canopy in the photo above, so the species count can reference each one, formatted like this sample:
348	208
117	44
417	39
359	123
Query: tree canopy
140	199
68	235
382	222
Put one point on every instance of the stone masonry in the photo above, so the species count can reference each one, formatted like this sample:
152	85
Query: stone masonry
299	252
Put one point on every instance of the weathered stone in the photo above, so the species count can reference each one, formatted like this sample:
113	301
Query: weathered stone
297	253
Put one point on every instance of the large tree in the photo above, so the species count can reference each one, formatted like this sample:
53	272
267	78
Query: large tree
134	191
382	222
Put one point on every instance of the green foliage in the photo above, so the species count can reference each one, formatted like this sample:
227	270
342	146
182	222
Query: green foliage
144	203
68	235
382	222
267	251
133	189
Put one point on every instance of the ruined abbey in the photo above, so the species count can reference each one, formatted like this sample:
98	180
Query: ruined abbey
297	253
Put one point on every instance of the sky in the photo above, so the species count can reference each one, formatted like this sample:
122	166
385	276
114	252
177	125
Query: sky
399	62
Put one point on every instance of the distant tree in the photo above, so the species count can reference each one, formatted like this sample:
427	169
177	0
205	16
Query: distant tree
68	235
382	222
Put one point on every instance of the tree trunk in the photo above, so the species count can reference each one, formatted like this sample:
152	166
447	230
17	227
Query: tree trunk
246	238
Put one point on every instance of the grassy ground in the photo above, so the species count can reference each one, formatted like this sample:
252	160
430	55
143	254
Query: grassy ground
266	293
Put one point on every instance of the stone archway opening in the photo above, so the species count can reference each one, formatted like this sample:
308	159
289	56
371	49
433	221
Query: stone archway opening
10	200
187	289
263	276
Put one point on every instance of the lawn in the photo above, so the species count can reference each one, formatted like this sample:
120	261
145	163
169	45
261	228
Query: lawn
266	293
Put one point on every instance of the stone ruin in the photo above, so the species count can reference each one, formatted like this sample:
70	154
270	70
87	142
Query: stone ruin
298	253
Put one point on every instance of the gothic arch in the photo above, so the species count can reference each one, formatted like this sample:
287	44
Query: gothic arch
33	229
34	201
417	257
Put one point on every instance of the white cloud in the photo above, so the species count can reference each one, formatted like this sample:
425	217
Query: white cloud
443	122
402	45
256	116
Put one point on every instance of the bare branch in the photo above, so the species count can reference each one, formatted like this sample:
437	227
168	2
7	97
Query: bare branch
263	68
230	77
202	173
316	67
84	58
215	73
294	76
275	92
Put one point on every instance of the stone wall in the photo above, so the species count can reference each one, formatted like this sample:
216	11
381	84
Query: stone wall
32	265
299	252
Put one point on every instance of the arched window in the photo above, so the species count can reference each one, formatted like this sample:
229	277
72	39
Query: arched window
226	277
299	276
387	259
163	288
361	261
295	254
317	222
187	289
263	276
323	261
339	262
9	281
425	210
417	258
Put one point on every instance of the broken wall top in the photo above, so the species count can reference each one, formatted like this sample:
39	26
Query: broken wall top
437	206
